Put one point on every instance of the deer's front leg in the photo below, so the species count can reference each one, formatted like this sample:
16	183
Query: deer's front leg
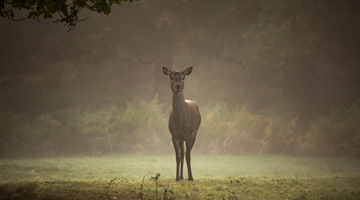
177	157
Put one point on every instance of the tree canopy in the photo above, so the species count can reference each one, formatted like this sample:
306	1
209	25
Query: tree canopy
67	11
301	58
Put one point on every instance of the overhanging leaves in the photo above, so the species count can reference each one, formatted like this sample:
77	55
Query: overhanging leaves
68	11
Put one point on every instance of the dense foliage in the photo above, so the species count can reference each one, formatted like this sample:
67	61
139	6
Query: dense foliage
67	11
142	129
269	76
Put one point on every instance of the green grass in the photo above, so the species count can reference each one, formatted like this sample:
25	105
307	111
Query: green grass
215	177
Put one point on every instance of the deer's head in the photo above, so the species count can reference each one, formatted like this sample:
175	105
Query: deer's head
177	78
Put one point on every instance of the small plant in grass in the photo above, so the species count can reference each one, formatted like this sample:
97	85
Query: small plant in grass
156	183
141	194
108	188
232	192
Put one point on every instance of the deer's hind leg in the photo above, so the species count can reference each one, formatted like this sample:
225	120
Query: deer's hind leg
189	145
181	159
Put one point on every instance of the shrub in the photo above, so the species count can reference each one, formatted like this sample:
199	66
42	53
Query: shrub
101	129
215	130
282	135
145	128
56	134
239	131
138	128
49	135
142	128
10	134
337	133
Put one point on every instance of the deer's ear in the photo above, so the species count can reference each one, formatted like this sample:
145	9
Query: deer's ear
166	71
187	71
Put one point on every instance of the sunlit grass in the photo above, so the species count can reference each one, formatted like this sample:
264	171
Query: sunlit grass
215	177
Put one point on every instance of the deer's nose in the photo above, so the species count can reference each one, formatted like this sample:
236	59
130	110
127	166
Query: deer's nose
178	86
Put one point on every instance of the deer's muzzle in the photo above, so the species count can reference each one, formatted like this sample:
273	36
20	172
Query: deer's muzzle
177	87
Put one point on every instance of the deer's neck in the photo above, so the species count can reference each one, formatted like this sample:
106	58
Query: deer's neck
179	105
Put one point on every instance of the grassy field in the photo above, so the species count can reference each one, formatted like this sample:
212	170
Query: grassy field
215	177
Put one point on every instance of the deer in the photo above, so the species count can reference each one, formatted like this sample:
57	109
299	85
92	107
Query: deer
184	121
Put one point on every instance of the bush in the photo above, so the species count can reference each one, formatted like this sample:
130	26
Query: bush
10	134
56	134
239	131
337	133
101	129
216	128
139	128
49	135
143	129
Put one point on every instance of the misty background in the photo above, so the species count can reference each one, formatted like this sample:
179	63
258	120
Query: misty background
269	77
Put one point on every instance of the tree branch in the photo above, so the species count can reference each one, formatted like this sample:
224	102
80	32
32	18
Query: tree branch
69	13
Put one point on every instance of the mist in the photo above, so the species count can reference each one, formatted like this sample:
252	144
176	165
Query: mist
269	78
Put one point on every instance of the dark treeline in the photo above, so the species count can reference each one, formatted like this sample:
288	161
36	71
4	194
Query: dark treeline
284	76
